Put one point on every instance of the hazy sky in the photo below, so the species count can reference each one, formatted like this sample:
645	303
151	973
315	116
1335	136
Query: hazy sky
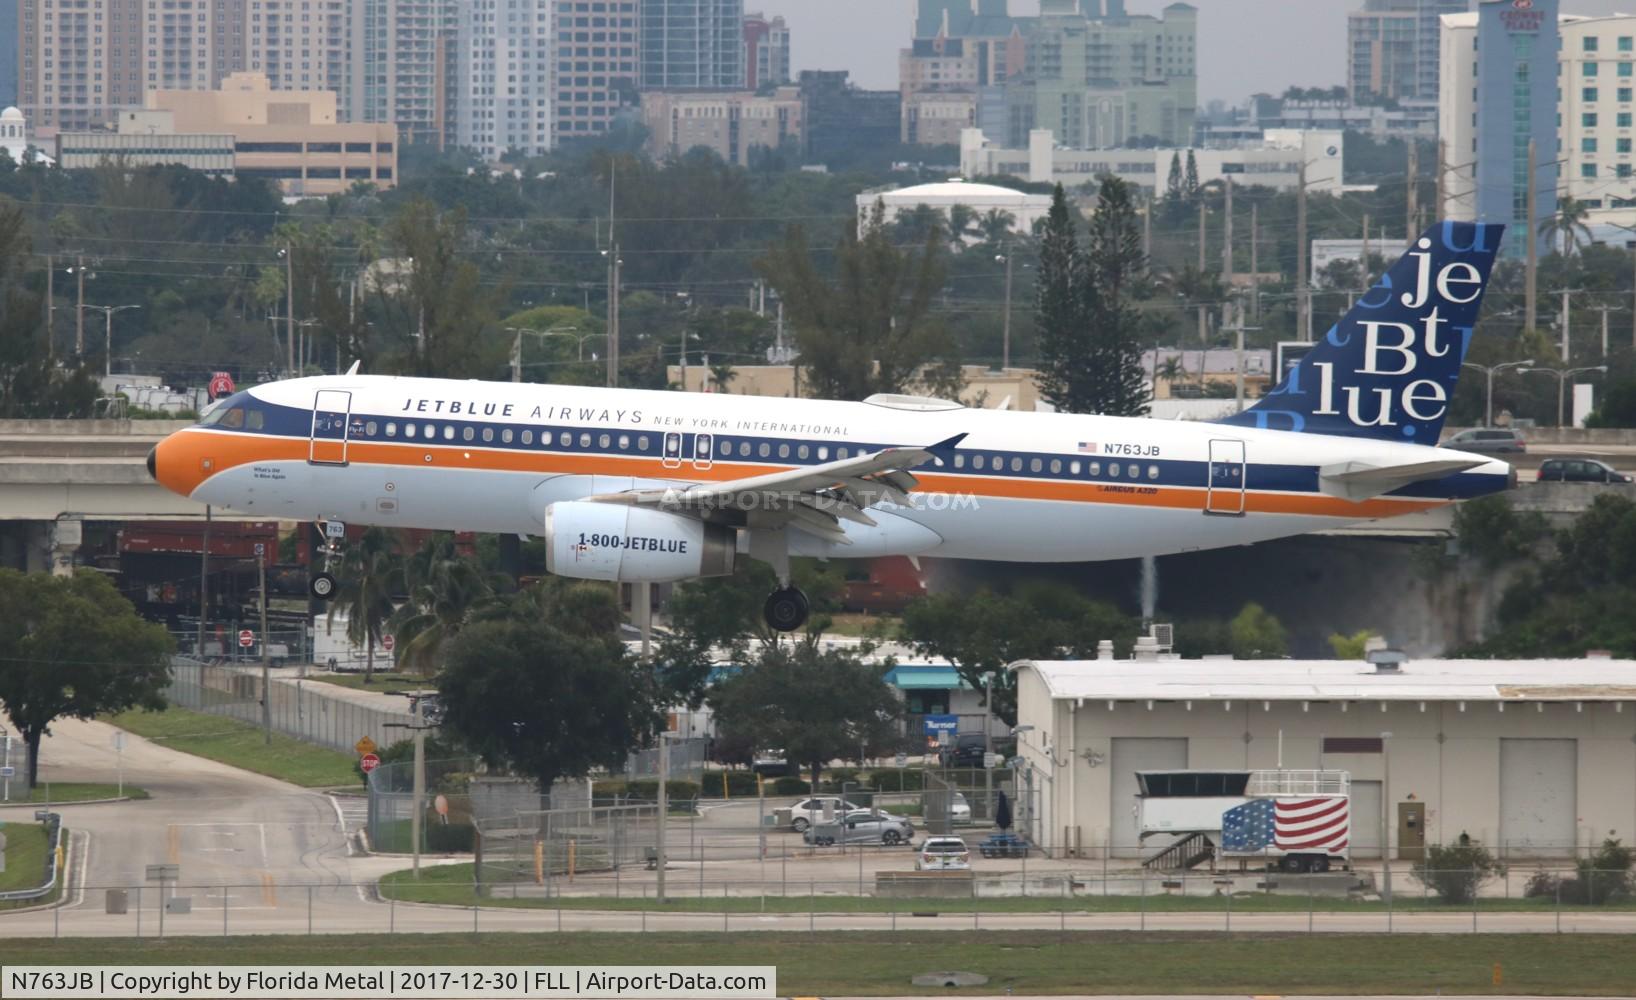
1245	46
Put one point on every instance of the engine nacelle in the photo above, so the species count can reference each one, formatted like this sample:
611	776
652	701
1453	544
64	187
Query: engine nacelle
611	541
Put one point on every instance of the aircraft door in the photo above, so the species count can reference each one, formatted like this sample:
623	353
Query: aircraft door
331	410
703	451
672	457
1226	486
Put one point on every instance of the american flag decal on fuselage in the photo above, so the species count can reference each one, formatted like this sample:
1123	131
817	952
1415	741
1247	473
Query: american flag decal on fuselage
1316	824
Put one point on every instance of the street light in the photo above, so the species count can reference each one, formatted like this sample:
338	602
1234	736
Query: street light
1385	810
1005	342
108	316
1562	377
1489	370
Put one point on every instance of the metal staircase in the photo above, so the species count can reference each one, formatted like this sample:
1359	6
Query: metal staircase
1186	853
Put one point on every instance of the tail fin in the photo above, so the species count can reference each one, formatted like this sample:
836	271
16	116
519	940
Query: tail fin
1388	368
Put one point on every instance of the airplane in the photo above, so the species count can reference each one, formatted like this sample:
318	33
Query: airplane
651	487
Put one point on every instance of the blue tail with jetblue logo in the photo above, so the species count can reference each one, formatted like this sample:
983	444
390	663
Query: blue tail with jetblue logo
1388	368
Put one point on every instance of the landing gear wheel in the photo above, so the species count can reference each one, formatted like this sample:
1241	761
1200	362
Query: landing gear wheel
322	586
785	610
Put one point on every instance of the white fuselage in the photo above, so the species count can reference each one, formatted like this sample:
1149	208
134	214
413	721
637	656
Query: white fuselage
1023	487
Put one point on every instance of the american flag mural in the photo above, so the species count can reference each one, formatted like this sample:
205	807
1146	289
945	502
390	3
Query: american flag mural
1318	824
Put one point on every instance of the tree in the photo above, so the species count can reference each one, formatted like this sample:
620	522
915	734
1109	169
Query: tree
73	647
444	591
1191	185
1257	635
1618	408
981	632
1114	264
1059	311
815	704
445	311
1350	647
31	384
545	691
870	327
995	226
370	573
1175	189
1456	871
1567	226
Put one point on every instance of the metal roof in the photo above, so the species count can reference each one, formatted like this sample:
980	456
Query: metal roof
1336	680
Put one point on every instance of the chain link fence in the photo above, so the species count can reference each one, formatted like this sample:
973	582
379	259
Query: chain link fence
307	710
14	786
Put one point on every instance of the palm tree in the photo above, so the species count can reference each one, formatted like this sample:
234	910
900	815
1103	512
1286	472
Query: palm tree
1200	289
961	220
995	225
1568	224
445	590
721	375
369	574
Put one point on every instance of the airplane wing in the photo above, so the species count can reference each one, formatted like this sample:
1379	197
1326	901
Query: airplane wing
1361	480
814	498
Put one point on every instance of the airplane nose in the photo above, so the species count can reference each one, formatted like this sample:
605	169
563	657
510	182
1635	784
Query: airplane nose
152	471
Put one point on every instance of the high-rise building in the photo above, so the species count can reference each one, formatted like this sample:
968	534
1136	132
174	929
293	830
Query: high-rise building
596	66
839	116
77	63
1498	93
766	52
1392	48
504	76
10	46
296	44
731	124
402	70
948	76
692	45
1097	80
1598	84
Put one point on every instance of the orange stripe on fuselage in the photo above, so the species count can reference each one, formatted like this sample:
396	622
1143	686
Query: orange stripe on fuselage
182	469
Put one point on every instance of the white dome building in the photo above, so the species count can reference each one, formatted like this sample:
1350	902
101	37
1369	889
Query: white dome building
1025	209
14	137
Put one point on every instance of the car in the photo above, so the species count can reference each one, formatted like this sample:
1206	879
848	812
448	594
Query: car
810	811
943	854
770	764
862	828
1003	845
1490	440
959	808
1579	470
967	751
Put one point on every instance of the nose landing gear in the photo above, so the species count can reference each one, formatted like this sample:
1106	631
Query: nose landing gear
322	584
786	609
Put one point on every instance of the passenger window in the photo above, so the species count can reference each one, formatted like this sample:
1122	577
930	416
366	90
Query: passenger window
959	461
1073	467
764	449
603	442
999	463
1016	465
841	453
567	439
369	429
585	439
528	437
391	429
977	461
801	452
1056	466
505	436
408	430
783	451
624	442
488	434
1153	472
1035	465
1135	473
545	439
233	419
642	442
1113	469
468	433
744	449
448	433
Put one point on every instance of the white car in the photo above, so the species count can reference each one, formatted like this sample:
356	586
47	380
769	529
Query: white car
807	812
943	854
959	808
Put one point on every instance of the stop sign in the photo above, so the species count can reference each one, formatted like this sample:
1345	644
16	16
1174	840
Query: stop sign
369	762
388	641
247	638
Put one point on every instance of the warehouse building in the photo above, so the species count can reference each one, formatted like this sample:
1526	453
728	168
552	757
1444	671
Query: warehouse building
1534	758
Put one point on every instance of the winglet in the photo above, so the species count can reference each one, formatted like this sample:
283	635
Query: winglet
947	444
354	369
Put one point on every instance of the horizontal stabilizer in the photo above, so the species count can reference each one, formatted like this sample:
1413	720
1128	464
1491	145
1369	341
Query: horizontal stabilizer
1360	480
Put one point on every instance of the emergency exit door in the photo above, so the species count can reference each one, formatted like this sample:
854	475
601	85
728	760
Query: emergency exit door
331	412
1225	493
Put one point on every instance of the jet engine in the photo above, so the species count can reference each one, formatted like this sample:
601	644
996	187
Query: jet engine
612	541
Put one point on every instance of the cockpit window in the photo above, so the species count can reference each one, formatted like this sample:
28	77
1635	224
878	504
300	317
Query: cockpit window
255	420
233	419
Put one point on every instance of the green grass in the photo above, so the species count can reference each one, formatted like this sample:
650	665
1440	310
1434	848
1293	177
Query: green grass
83	791
452	885
382	683
240	744
877	963
26	847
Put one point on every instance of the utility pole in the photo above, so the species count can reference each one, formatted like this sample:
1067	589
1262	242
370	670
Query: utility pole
418	797
50	305
1238	358
1227	235
266	661
79	308
1255	260
1147	230
1303	295
1413	207
289	309
1440	209
1604	310
1201	236
1531	273
1363	257
664	808
613	277
204	586
1566	318
1005	339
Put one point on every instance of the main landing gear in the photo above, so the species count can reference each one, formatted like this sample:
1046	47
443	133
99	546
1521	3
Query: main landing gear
322	584
786	609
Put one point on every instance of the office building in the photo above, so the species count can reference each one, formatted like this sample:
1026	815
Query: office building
246	129
503	71
937	119
766	52
596	66
732	125
76	64
692	45
1598	168
10	46
1498	93
1102	82
402	70
1392	48
839	116
956	73
1273	160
